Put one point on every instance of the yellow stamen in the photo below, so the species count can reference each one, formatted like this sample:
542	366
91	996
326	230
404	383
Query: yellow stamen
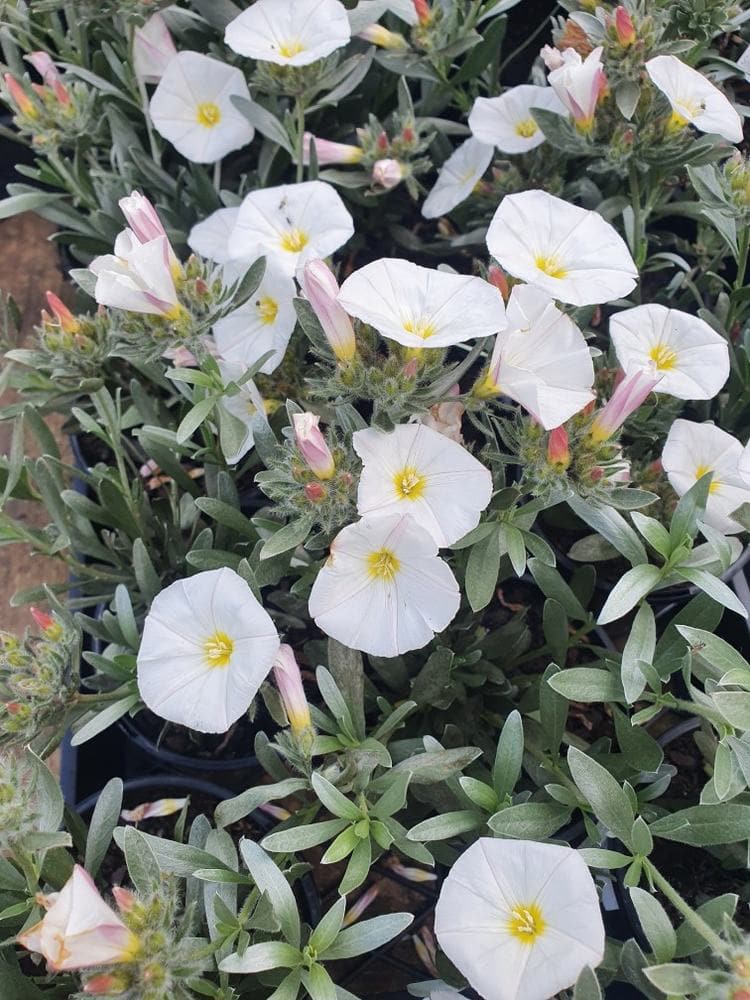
550	266
383	565
421	327
218	649
294	241
663	356
409	484
290	48
268	310
703	470
208	114
526	922
526	128
485	387
175	313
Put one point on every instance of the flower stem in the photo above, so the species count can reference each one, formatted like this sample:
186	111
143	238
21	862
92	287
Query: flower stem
143	96
640	248
300	111
694	919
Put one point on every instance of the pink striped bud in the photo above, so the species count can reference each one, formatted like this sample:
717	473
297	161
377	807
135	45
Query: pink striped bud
626	399
496	277
382	142
124	898
20	98
289	682
153	49
46	623
383	38
321	290
387	173
107	985
329	152
558	452
356	910
142	217
314	492
624	26
312	445
42	63
423	12
63	315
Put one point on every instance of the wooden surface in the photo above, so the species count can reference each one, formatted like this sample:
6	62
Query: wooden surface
28	267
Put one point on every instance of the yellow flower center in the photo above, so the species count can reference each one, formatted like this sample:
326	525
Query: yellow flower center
208	114
410	484
290	48
663	356
527	128
218	649
526	923
550	266
422	327
383	565
294	240
268	310
703	470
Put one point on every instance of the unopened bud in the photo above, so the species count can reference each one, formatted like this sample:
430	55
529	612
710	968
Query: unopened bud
124	898
624	26
387	173
107	984
411	368
63	315
558	451
496	277
383	38
47	624
312	445
20	98
382	142
321	290
423	12
289	683
408	134
314	492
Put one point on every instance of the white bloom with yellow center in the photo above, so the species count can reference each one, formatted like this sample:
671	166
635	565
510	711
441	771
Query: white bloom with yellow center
691	357
138	277
519	919
210	236
289	32
573	254
691	451
694	99
420	306
416	470
192	107
541	360
207	646
290	224
384	589
507	121
458	177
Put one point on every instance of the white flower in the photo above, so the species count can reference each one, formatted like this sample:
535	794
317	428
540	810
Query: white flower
692	358
694	99
153	49
192	107
458	177
573	254
291	224
265	322
384	589
415	470
579	83
207	646
691	451
541	360
79	930
519	919
243	406
420	306
508	121
210	236
138	277
289	32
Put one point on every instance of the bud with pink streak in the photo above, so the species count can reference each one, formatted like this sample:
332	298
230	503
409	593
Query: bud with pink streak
580	83
558	450
329	152
627	397
624	26
42	63
20	98
321	290
289	682
312	445
388	173
79	930
65	318
153	49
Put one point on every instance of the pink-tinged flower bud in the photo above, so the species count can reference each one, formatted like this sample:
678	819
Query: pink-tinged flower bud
153	49
329	152
551	57
558	451
46	623
387	173
382	142
383	38
289	682
321	290
624	26
408	134
626	399
312	445
423	12
278	812
361	904
148	810
445	418
107	985
496	277
314	492
142	217
124	898
580	83
63	315
20	98
13	707
411	368
42	63
79	930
